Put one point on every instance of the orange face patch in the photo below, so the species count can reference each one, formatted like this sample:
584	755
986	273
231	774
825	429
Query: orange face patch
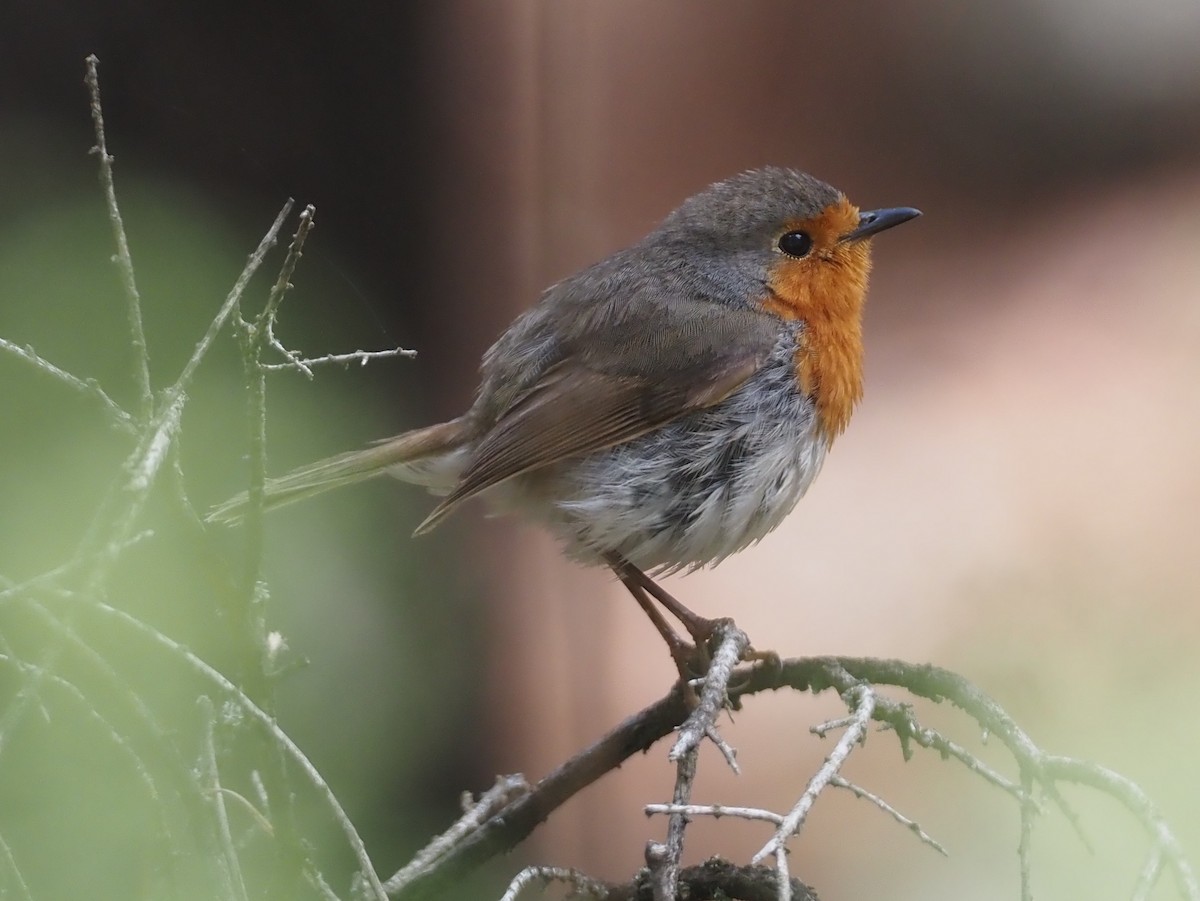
826	289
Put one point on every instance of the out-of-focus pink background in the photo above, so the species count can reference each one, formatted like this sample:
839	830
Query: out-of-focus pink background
1018	497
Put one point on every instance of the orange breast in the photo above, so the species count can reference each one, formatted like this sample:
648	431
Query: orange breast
826	290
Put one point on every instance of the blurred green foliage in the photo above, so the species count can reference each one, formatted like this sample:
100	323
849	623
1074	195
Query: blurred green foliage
104	790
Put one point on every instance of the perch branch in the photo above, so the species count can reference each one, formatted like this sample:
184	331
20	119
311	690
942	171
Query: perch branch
475	813
517	820
851	677
664	860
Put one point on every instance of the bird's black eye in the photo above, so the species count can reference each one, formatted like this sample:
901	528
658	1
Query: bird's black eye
796	244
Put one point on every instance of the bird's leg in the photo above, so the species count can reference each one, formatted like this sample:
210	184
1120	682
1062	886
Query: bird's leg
681	652
686	656
698	627
642	587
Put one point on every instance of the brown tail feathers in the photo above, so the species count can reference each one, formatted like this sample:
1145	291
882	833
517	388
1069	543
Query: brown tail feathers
348	468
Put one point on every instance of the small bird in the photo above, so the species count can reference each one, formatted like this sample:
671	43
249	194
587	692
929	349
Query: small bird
665	407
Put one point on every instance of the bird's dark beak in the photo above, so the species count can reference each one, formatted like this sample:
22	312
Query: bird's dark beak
875	221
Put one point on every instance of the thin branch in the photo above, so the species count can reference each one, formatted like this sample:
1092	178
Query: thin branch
892	713
88	388
16	590
664	860
30	690
475	813
862	697
912	825
815	674
296	363
11	863
714	693
317	881
133	302
283	283
295	360
259	818
940	685
1133	798
211	774
727	750
74	692
513	823
249	616
268	723
142	466
1148	877
1025	845
716	811
670	856
581	885
232	299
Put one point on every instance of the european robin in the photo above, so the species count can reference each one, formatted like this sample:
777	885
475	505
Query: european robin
669	405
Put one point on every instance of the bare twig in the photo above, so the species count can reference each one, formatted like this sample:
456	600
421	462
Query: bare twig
15	590
235	886
815	674
133	302
30	690
862	697
317	881
664	860
283	283
732	643
1148	877
88	388
249	615
670	856
259	818
716	811
11	863
296	363
142	466
1025	844
912	825
892	713
581	885
268	723
475	813
939	685
1134	799
518	819
73	691
727	750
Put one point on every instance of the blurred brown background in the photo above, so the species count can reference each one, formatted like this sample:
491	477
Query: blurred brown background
1018	497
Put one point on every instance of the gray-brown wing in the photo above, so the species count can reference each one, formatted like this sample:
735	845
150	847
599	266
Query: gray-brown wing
600	398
